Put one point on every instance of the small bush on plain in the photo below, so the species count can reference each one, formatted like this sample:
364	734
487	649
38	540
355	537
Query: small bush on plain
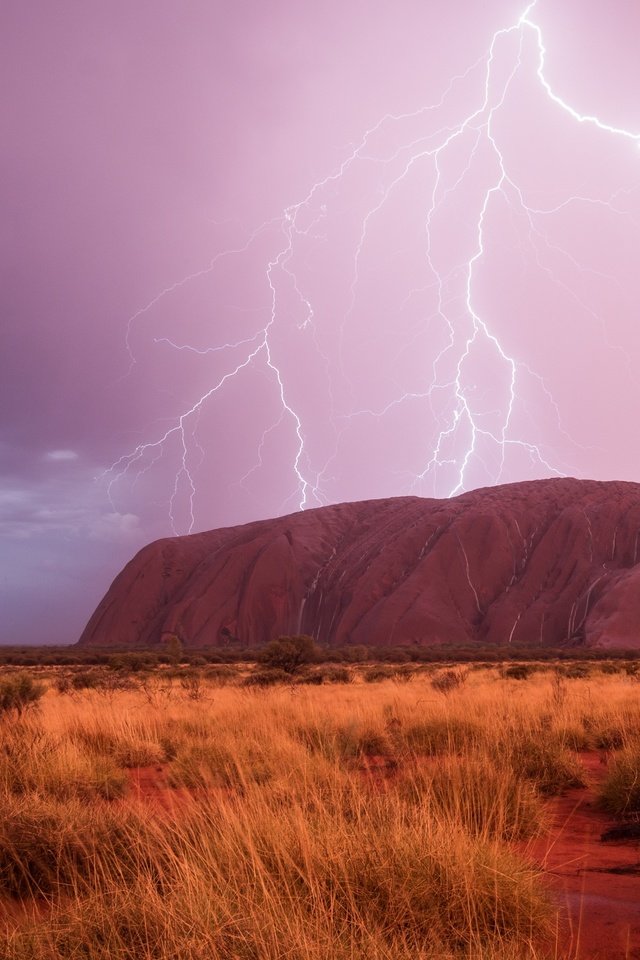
18	693
518	671
620	792
449	680
289	653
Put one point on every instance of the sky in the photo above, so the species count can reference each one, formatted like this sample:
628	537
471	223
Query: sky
262	257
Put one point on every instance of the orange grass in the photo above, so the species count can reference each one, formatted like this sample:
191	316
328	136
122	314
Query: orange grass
279	844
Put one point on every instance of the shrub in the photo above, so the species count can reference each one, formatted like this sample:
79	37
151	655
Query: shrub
377	674
488	801
48	847
366	742
219	674
357	654
85	680
548	765
174	648
518	671
18	693
620	792
576	671
608	737
313	679
404	673
197	661
438	735
132	662
266	678
610	668
338	675
558	690
35	763
139	753
192	685
289	653
448	680
63	684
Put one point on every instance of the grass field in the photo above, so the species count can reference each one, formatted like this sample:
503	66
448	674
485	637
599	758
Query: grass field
343	820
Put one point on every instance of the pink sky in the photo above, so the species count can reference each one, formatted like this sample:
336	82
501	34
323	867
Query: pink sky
431	302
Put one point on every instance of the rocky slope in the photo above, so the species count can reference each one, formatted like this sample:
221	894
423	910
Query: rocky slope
545	562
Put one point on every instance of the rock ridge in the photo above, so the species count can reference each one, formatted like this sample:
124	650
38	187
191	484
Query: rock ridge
540	563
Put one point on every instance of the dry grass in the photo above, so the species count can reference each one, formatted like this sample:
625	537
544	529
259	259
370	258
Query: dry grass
620	792
281	841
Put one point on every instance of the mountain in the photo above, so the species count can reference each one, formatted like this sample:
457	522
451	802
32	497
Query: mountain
545	562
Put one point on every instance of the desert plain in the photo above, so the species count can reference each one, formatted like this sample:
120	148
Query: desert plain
355	811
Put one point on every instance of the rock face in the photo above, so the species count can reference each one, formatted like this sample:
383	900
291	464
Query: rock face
547	562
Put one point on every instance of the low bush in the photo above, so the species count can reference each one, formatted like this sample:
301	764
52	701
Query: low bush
377	674
518	671
49	848
139	753
489	802
266	678
34	762
609	668
192	685
542	760
311	679
85	680
576	671
337	675
438	735
328	675
449	680
19	692
132	662
620	792
220	674
401	673
289	653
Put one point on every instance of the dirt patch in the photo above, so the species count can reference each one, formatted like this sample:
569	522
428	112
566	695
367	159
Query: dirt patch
148	782
597	885
150	786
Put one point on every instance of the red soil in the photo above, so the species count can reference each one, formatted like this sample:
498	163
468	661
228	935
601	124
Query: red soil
149	785
599	915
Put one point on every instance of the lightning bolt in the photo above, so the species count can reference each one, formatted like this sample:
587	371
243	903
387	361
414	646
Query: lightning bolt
468	429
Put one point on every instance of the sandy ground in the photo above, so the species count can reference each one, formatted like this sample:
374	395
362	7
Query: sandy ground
597	885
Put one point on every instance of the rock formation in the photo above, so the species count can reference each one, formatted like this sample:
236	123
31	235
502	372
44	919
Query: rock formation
546	562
